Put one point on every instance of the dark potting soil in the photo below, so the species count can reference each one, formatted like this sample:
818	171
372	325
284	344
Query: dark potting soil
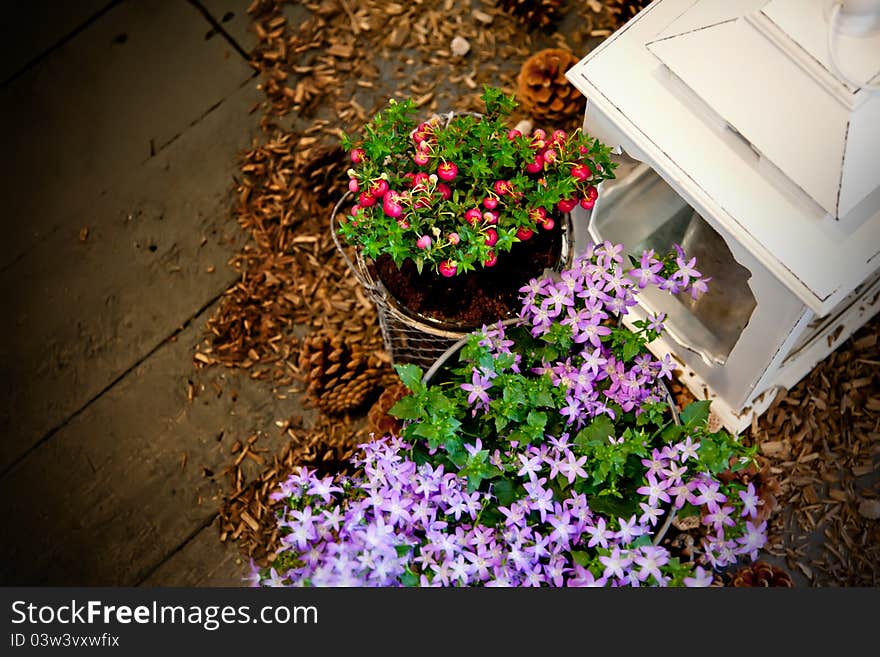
483	296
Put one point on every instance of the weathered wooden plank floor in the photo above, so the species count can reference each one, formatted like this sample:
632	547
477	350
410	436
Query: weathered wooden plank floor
124	119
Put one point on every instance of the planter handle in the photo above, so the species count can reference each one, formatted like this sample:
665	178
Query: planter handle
368	285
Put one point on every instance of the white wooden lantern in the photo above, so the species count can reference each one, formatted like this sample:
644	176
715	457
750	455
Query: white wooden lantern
743	138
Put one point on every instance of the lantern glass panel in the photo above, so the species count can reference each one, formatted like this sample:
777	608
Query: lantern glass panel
639	209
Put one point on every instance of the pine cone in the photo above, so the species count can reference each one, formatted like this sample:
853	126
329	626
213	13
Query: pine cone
323	168
378	420
340	376
762	574
326	453
623	10
543	89
534	13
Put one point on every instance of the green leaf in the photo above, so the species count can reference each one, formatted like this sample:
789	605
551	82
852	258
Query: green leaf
455	450
631	349
696	412
620	508
537	420
504	492
409	578
580	557
411	376
672	433
407	408
595	433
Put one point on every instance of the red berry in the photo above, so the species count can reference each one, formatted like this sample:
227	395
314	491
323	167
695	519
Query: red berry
365	199
472	216
548	224
587	204
581	172
444	190
391	205
524	234
491	260
453	238
491	217
502	187
421	158
566	205
490	202
357	155
491	237
379	187
424	242
447	171
559	136
550	156
537	165
513	133
419	180
353	185
538	215
592	193
354	210
448	268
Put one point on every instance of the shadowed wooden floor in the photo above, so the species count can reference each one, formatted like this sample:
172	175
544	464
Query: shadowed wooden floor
123	120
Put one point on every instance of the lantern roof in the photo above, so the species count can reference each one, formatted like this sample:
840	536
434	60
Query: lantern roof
738	105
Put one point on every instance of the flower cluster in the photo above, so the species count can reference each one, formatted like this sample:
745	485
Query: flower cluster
549	456
455	192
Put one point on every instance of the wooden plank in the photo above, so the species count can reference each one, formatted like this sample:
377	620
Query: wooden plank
111	496
30	29
81	313
100	105
232	16
201	562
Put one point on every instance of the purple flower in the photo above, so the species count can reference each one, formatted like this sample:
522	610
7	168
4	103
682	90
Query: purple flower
531	465
710	494
655	490
655	323
649	562
615	563
699	286
686	269
650	514
628	530
556	299
582	577
688	449
599	536
573	467
701	578
750	501
323	488
754	539
656	464
592	332
478	388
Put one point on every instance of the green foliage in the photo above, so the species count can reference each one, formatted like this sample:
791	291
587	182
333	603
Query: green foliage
484	154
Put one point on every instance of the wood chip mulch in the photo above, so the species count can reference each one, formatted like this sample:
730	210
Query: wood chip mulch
822	439
326	66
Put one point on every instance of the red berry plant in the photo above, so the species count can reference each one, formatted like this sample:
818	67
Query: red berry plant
455	192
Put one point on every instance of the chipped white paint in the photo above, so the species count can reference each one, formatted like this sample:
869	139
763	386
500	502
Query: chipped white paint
734	104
